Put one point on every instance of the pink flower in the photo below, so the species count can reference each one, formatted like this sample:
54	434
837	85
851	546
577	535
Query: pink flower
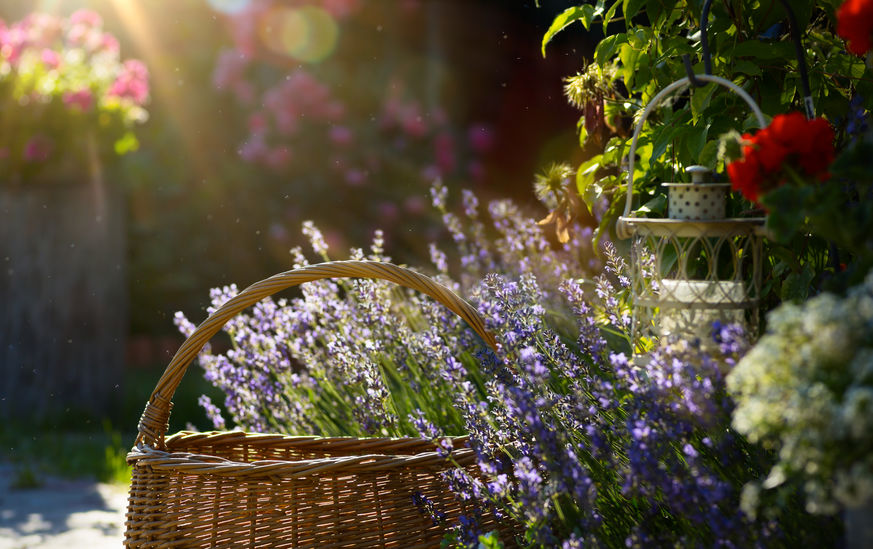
341	135
444	152
12	43
356	177
476	171
341	8
132	82
77	35
37	149
244	27
412	121
334	110
430	173
229	68
50	58
254	149
109	43
388	210
481	138
40	30
82	99
258	122
278	158
87	18
245	92
415	205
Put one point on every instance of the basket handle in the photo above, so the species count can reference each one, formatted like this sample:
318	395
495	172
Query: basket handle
622	227
155	418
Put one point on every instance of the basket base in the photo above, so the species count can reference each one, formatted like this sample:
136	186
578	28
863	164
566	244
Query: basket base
247	490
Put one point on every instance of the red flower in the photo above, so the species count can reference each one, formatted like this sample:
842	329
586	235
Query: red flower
790	139
746	174
816	159
855	24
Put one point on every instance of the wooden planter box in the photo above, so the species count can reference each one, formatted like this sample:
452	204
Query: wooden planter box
63	318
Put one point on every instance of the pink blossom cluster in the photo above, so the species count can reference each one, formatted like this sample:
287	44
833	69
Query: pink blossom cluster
309	120
132	82
50	35
72	60
50	39
299	98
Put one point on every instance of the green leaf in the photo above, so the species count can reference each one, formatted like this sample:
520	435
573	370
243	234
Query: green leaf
628	55
491	540
583	13
127	143
674	47
789	89
787	212
747	67
665	137
657	206
845	65
709	155
583	133
700	99
796	285
631	8
586	182
658	10
606	48
763	50
695	141
607	19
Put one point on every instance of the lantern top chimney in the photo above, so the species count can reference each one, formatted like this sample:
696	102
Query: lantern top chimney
698	173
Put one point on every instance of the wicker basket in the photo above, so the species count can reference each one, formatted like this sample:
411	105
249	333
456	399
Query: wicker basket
234	489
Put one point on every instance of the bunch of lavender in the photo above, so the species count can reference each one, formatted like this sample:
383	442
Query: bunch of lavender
576	444
363	357
584	447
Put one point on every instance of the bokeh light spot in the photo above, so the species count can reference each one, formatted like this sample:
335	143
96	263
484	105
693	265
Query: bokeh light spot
229	7
308	34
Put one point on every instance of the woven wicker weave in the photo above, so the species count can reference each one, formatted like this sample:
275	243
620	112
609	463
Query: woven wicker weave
237	489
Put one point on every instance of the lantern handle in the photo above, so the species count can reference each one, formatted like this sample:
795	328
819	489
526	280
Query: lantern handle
622	228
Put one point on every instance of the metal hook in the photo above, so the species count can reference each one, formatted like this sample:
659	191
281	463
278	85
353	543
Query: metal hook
798	50
689	71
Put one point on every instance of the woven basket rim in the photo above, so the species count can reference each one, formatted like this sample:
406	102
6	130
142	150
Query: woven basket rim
374	456
269	439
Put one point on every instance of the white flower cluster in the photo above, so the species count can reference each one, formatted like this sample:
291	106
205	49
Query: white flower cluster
806	391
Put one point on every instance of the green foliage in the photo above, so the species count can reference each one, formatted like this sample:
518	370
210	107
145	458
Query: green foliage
750	45
25	478
87	453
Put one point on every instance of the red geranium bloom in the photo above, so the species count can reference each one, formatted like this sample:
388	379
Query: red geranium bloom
790	139
746	174
855	24
816	159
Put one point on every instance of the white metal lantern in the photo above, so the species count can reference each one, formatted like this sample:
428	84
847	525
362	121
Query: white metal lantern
694	267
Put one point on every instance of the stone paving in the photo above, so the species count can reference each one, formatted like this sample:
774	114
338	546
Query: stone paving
60	514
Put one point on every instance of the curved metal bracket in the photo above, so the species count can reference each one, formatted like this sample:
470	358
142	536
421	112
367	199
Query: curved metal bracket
622	227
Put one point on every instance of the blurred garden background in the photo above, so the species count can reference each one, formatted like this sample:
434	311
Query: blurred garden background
157	156
252	118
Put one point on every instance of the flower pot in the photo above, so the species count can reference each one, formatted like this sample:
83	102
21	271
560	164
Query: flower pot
62	285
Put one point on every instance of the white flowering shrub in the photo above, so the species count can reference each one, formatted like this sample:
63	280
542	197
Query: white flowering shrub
806	391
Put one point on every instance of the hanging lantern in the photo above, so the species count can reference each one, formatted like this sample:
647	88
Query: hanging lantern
696	266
